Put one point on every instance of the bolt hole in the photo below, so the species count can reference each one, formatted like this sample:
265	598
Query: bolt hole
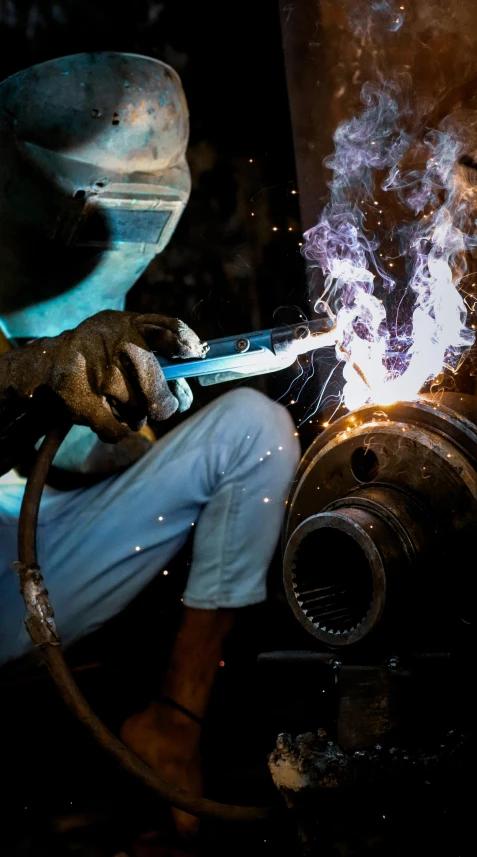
467	161
79	194
115	119
96	113
100	183
364	464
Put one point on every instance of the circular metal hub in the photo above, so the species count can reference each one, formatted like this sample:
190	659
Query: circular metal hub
336	574
383	505
339	563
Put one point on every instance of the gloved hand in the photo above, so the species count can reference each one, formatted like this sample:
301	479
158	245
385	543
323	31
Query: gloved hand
105	373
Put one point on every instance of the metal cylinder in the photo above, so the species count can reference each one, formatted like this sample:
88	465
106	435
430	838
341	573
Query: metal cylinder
380	518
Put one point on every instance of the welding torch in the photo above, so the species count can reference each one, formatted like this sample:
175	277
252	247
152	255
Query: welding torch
234	357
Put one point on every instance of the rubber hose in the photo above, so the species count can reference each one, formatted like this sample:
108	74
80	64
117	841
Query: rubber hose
53	655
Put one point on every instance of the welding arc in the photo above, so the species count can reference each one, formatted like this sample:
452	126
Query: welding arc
40	626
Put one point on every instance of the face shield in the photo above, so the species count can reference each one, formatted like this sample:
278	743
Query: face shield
94	183
134	216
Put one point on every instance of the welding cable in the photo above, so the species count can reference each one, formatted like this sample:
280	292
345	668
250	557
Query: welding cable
41	627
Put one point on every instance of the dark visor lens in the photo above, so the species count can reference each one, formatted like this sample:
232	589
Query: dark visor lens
103	227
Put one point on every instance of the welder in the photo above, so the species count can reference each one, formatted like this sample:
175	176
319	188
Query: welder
93	180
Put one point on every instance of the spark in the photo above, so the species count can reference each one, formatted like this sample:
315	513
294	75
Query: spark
137	548
165	572
294	192
266	499
160	518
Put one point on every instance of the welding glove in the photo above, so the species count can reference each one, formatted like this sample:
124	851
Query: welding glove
105	373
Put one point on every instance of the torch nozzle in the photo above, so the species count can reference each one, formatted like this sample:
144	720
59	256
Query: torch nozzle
300	339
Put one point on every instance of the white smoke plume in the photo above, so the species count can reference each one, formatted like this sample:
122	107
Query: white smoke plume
400	316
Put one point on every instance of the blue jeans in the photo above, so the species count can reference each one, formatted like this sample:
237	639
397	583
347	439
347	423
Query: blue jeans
225	471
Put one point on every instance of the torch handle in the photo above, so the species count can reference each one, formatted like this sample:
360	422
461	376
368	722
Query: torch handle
249	354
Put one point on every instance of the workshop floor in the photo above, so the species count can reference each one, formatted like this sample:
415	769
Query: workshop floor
63	796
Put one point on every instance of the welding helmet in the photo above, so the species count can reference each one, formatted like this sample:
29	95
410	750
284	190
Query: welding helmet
93	180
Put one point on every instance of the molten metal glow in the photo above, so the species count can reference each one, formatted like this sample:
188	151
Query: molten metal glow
392	344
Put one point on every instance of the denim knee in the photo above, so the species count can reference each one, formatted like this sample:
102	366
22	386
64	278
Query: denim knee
257	417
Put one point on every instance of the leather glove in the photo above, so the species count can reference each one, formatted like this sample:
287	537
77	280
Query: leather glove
105	373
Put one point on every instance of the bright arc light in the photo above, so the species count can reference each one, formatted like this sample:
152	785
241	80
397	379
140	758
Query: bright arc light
390	352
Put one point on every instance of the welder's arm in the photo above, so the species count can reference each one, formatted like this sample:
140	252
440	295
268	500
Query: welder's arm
103	373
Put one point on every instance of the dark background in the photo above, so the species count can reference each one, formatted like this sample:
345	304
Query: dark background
225	271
